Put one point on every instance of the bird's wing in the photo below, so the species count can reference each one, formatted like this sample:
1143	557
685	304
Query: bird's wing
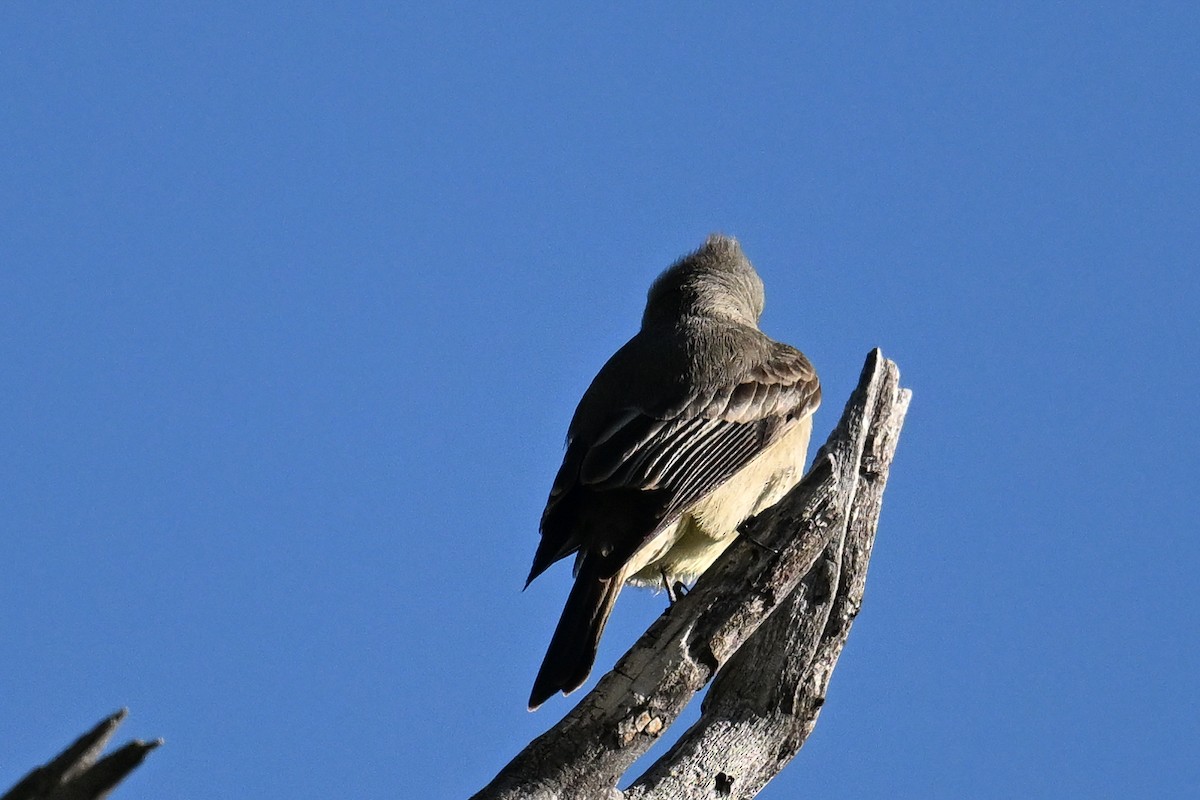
693	447
671	457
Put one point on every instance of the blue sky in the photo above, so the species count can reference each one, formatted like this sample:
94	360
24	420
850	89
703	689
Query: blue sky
296	301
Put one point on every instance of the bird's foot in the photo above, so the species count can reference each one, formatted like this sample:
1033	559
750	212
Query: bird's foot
754	541
681	589
675	590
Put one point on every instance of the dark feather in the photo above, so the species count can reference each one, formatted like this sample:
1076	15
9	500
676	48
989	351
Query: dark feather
673	415
572	649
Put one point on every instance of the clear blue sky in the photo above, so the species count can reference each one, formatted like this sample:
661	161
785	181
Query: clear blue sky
296	301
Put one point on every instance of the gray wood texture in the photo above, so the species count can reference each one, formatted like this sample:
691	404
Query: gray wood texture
768	621
79	773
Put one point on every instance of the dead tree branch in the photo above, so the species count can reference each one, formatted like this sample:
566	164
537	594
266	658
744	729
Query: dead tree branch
76	774
795	577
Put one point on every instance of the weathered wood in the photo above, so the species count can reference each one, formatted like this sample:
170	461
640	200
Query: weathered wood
803	558
763	705
78	773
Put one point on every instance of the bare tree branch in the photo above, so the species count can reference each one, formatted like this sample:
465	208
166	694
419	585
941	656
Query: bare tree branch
76	774
803	560
763	705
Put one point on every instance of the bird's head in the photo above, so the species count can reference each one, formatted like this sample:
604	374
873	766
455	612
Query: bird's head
715	280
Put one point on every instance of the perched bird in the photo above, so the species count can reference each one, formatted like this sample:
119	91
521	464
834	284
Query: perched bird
696	424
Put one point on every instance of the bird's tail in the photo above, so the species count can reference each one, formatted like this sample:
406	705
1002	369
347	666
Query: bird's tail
572	649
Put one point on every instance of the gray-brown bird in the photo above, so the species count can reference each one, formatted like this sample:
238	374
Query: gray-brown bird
696	424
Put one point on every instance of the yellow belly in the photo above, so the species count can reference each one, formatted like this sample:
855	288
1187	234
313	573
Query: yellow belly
692	543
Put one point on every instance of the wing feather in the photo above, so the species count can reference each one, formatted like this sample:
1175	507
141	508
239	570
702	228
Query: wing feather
676	454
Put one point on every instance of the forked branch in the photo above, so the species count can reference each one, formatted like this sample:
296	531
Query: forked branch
769	620
79	773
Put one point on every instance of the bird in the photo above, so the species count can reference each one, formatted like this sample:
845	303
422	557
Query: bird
697	423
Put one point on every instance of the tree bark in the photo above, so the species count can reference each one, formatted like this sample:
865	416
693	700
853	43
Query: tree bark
76	774
769	619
